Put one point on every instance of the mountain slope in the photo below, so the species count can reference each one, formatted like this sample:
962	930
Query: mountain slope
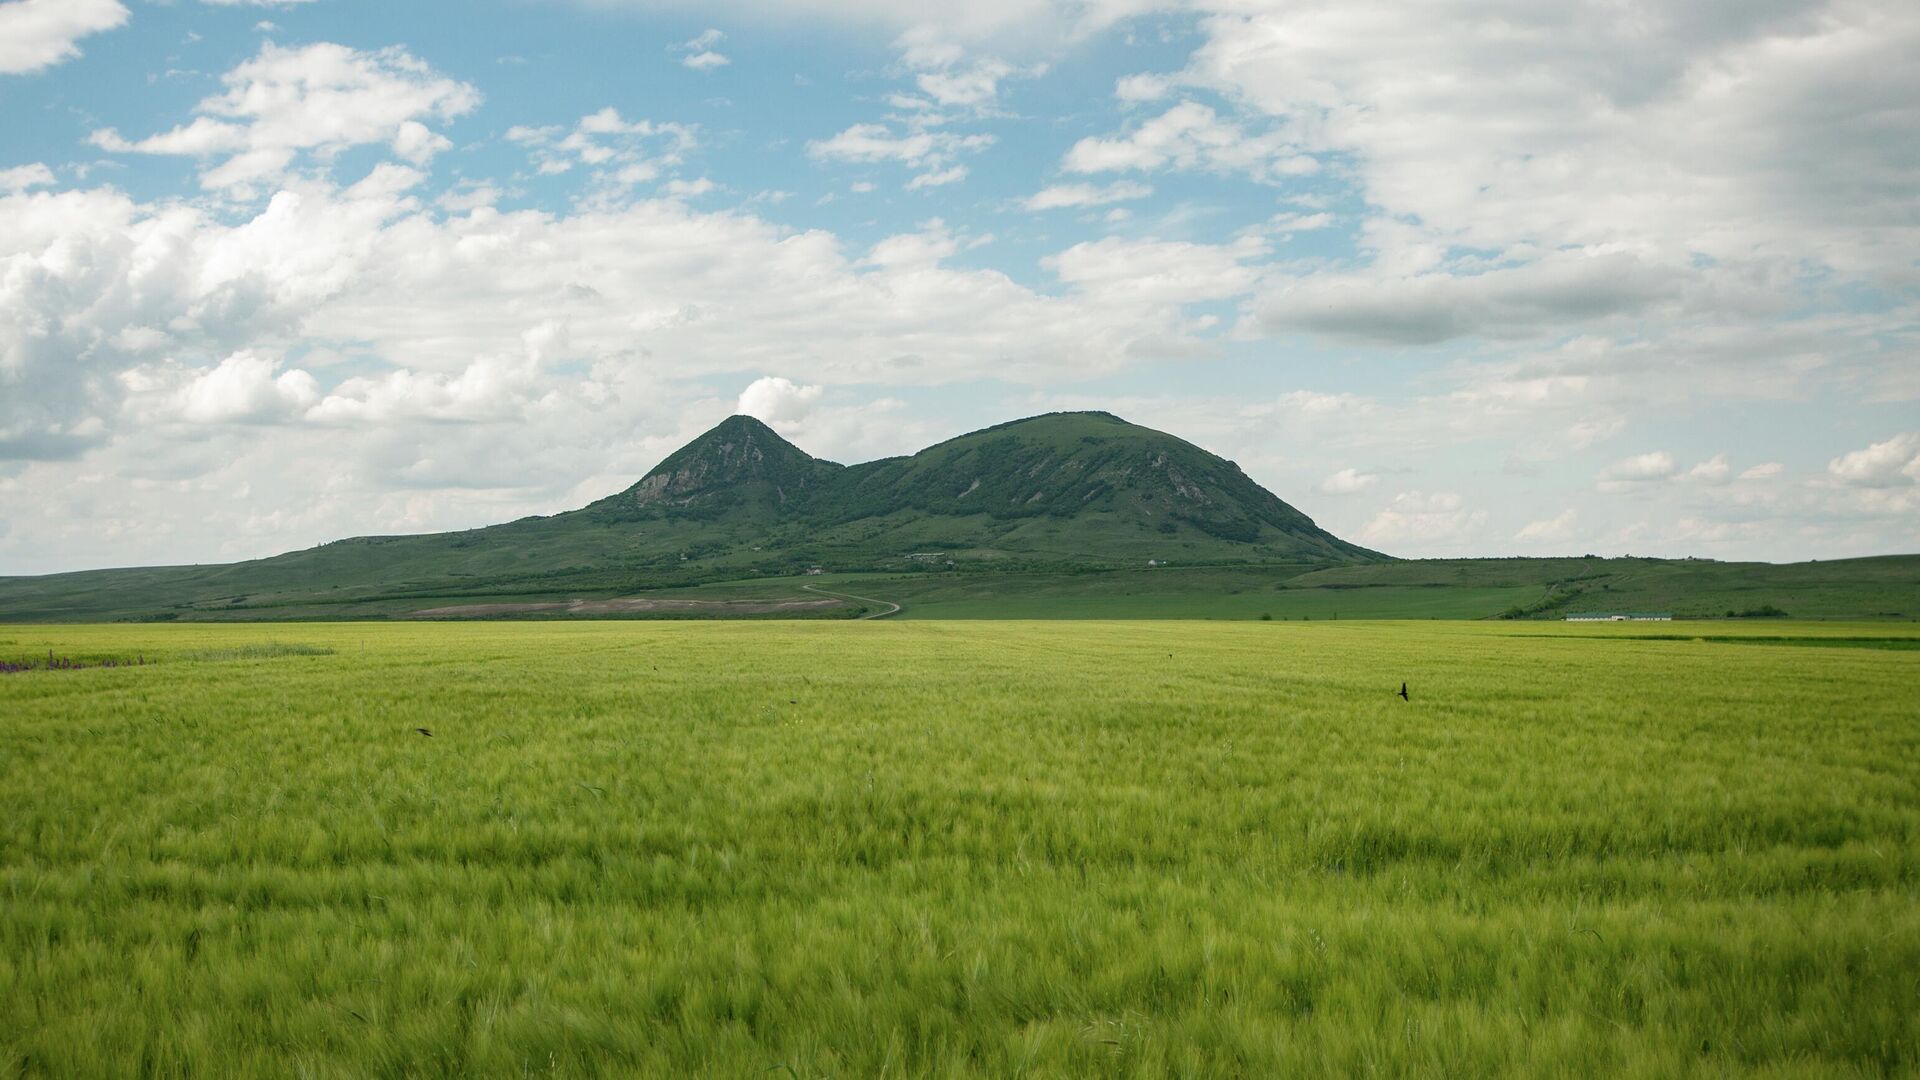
1065	491
741	467
1074	481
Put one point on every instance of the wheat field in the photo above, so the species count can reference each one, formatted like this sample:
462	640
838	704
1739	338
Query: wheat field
960	849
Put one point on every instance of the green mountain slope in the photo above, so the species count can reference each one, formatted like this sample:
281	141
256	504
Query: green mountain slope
1066	491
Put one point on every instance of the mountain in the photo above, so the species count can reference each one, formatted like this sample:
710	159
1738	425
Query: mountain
740	465
1084	488
1060	492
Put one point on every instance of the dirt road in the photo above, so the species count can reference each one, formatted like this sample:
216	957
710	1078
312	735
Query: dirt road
892	608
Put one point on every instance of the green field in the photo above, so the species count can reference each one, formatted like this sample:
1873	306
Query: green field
851	849
1882	588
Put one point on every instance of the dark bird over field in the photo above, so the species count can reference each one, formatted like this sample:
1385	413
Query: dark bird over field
1403	693
424	731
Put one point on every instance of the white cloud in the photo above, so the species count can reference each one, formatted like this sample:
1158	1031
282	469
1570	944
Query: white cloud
774	399
22	177
1764	472
619	152
489	389
1435	521
700	52
1714	470
688	189
952	174
875	142
469	197
36	34
949	79
1892	463
1059	196
855	431
1348	482
1556	291
244	387
1638	469
418	143
99	285
930	151
1143	87
1556	529
1192	136
321	99
1524	129
1014	23
1160	271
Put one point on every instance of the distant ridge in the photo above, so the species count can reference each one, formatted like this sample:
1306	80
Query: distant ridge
1064	491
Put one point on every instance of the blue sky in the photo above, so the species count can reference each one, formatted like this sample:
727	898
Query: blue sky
1487	278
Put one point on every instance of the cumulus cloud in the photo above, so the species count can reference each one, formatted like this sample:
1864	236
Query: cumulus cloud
1348	482
774	399
1616	136
948	78
36	34
700	54
848	430
931	151
617	151
1892	463
874	142
1018	23
1766	471
321	99
99	284
1714	470
1556	529
1142	87
1638	469
952	174
1434	521
1161	271
1192	136
1060	196
245	387
22	177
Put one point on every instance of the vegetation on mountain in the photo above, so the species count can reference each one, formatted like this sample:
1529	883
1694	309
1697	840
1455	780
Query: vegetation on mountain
1067	515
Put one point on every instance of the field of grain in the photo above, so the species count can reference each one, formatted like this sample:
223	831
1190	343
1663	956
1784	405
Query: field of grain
960	849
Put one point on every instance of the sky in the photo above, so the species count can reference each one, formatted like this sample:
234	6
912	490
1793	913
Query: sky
1454	277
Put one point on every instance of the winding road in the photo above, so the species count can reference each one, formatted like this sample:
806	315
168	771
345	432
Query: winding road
892	608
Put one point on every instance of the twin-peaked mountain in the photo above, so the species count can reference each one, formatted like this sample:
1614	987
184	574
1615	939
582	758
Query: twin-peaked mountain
1065	491
1073	486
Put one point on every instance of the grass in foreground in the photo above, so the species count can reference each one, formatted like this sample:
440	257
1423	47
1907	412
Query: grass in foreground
959	849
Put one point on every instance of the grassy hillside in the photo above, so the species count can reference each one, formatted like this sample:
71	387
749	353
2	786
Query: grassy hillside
1877	588
956	850
1882	587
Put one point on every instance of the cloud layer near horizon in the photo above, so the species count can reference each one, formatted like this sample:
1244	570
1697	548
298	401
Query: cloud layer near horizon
1533	312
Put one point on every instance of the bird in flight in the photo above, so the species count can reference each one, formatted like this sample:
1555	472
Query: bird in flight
1403	693
424	731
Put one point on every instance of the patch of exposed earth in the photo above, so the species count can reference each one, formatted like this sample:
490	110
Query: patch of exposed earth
719	609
